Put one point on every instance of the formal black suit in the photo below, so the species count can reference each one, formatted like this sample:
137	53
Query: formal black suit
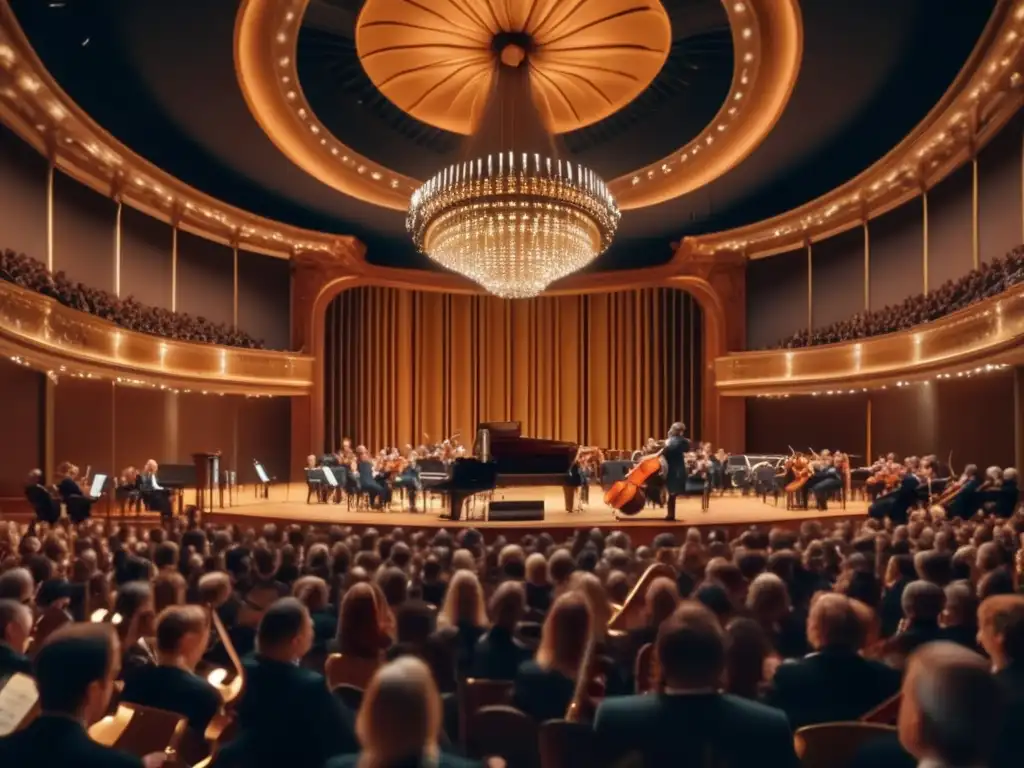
831	685
674	454
378	494
695	729
46	507
897	504
543	694
1005	498
60	741
967	500
287	716
154	496
174	690
498	655
11	661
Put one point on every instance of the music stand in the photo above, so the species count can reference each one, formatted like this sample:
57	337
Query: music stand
263	481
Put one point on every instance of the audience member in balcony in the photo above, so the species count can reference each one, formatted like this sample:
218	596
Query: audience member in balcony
690	717
990	279
28	273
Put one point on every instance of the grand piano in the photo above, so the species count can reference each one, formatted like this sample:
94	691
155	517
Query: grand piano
503	458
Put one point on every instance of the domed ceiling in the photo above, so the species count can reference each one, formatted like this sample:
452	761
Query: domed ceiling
702	115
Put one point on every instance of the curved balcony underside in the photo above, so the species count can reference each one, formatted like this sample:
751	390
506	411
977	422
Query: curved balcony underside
989	332
37	331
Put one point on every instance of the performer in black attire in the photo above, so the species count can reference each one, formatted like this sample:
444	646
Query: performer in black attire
409	478
674	454
46	507
378	495
826	480
896	504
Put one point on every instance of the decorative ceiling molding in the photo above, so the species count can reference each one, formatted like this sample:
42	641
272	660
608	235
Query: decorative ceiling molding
985	95
767	44
436	59
34	106
38	332
989	332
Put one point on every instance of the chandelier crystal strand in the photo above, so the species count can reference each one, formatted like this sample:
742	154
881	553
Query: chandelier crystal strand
513	222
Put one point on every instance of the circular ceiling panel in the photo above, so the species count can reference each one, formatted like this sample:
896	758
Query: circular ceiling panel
434	59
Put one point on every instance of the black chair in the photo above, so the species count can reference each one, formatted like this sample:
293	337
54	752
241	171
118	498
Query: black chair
79	508
505	732
350	696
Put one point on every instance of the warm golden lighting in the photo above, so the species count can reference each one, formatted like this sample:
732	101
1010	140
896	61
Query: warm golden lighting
512	222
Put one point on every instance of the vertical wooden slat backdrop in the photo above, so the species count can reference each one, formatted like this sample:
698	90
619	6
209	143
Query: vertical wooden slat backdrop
606	369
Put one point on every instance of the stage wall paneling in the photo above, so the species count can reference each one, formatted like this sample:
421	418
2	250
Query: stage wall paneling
837	285
145	258
205	278
1000	222
604	369
83	233
21	407
973	418
264	298
950	228
110	428
897	264
776	298
23	174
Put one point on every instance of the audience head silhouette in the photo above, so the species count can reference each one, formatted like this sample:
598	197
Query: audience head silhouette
285	632
75	671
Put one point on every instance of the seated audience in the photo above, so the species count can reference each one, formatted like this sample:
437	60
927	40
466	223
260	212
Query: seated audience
1001	634
923	603
15	632
835	682
126	312
182	636
462	619
400	721
498	653
286	715
75	672
689	717
747	654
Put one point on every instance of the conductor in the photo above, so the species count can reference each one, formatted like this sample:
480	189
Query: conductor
674	454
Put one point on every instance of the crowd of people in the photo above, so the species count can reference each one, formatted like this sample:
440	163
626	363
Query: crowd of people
990	279
753	637
126	312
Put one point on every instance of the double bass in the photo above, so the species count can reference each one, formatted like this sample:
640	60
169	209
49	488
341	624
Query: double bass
627	495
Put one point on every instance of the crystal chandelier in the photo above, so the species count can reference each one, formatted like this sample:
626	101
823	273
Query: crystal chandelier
513	217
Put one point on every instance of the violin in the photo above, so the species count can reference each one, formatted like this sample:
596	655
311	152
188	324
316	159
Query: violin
802	471
627	495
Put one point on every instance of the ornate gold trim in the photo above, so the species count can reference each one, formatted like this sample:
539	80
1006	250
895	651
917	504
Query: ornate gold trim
38	110
983	97
989	332
768	44
38	332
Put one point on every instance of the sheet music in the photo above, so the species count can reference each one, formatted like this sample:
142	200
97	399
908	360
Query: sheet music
331	479
261	473
17	698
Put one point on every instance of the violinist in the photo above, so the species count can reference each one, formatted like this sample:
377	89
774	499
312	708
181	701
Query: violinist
674	455
897	503
378	495
408	477
825	479
1005	496
70	490
585	469
961	498
46	506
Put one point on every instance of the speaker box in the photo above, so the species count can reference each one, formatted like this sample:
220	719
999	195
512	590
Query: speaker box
611	471
515	510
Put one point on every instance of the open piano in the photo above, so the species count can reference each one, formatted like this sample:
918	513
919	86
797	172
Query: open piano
502	457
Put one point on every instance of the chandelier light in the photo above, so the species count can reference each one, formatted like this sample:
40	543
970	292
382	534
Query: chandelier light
513	217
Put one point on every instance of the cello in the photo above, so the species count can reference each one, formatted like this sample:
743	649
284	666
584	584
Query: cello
627	495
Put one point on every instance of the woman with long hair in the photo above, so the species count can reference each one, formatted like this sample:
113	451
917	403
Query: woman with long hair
463	617
747	650
544	687
361	639
400	720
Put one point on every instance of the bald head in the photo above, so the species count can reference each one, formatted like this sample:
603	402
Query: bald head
952	706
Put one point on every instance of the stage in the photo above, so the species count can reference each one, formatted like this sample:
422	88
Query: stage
287	504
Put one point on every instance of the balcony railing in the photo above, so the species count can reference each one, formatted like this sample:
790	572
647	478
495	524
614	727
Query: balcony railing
40	332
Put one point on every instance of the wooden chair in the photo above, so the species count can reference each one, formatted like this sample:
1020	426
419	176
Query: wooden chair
834	745
350	670
885	713
476	693
19	703
350	696
646	671
567	745
505	732
140	730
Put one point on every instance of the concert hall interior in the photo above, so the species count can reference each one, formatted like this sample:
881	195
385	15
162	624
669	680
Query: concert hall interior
574	321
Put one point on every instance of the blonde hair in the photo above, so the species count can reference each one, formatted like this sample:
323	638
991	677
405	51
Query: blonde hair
464	601
565	634
588	585
537	569
400	716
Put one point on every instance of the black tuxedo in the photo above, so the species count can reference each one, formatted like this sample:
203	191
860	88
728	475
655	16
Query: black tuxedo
674	454
966	501
46	507
498	655
155	497
53	740
174	690
11	661
1005	498
831	685
693	730
286	716
897	504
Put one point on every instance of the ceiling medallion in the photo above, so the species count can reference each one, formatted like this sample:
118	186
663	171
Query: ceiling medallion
513	218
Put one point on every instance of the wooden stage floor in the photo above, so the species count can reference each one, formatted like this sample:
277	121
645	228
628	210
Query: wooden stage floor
287	504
